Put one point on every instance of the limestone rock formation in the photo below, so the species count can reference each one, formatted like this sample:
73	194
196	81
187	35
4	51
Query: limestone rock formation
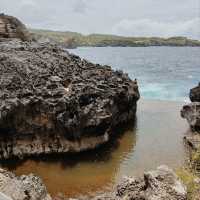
191	112
11	27
23	187
54	102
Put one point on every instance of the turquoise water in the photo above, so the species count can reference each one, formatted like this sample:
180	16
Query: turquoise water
163	73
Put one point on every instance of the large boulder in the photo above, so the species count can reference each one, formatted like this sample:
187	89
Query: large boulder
23	187
11	27
54	102
191	112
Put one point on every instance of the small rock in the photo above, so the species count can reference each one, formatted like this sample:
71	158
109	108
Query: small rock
23	187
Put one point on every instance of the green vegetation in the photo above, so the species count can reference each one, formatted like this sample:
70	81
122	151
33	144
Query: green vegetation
189	179
196	157
190	176
73	39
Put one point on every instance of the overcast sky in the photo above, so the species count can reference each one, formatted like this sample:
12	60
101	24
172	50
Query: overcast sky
123	17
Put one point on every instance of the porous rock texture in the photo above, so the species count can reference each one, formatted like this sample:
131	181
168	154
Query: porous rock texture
160	184
191	112
54	102
11	27
23	187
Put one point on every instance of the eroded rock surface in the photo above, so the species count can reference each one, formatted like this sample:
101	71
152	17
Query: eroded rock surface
23	187
11	27
191	112
52	101
160	184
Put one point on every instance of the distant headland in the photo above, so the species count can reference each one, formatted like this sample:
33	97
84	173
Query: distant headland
74	39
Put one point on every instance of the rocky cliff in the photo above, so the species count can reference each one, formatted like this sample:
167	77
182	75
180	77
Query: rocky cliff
54	102
191	112
11	27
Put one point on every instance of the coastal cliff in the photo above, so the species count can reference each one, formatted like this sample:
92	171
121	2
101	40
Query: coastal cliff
191	113
55	102
73	39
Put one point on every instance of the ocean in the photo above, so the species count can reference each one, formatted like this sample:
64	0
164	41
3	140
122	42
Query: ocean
163	73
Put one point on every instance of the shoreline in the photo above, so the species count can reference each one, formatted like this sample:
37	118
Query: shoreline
128	156
61	116
130	47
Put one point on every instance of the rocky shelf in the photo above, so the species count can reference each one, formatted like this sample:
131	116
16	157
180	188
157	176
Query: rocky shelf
54	102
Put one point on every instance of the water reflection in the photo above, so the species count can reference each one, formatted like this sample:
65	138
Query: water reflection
157	139
84	173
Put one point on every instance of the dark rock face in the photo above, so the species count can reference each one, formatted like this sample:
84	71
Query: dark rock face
24	187
11	27
52	101
195	94
191	112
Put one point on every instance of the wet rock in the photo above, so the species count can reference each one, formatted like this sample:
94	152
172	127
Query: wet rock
54	102
23	187
11	27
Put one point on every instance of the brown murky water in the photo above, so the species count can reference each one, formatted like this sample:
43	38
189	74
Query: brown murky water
155	139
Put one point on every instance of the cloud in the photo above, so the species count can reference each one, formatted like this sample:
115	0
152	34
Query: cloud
149	27
80	7
127	17
28	3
